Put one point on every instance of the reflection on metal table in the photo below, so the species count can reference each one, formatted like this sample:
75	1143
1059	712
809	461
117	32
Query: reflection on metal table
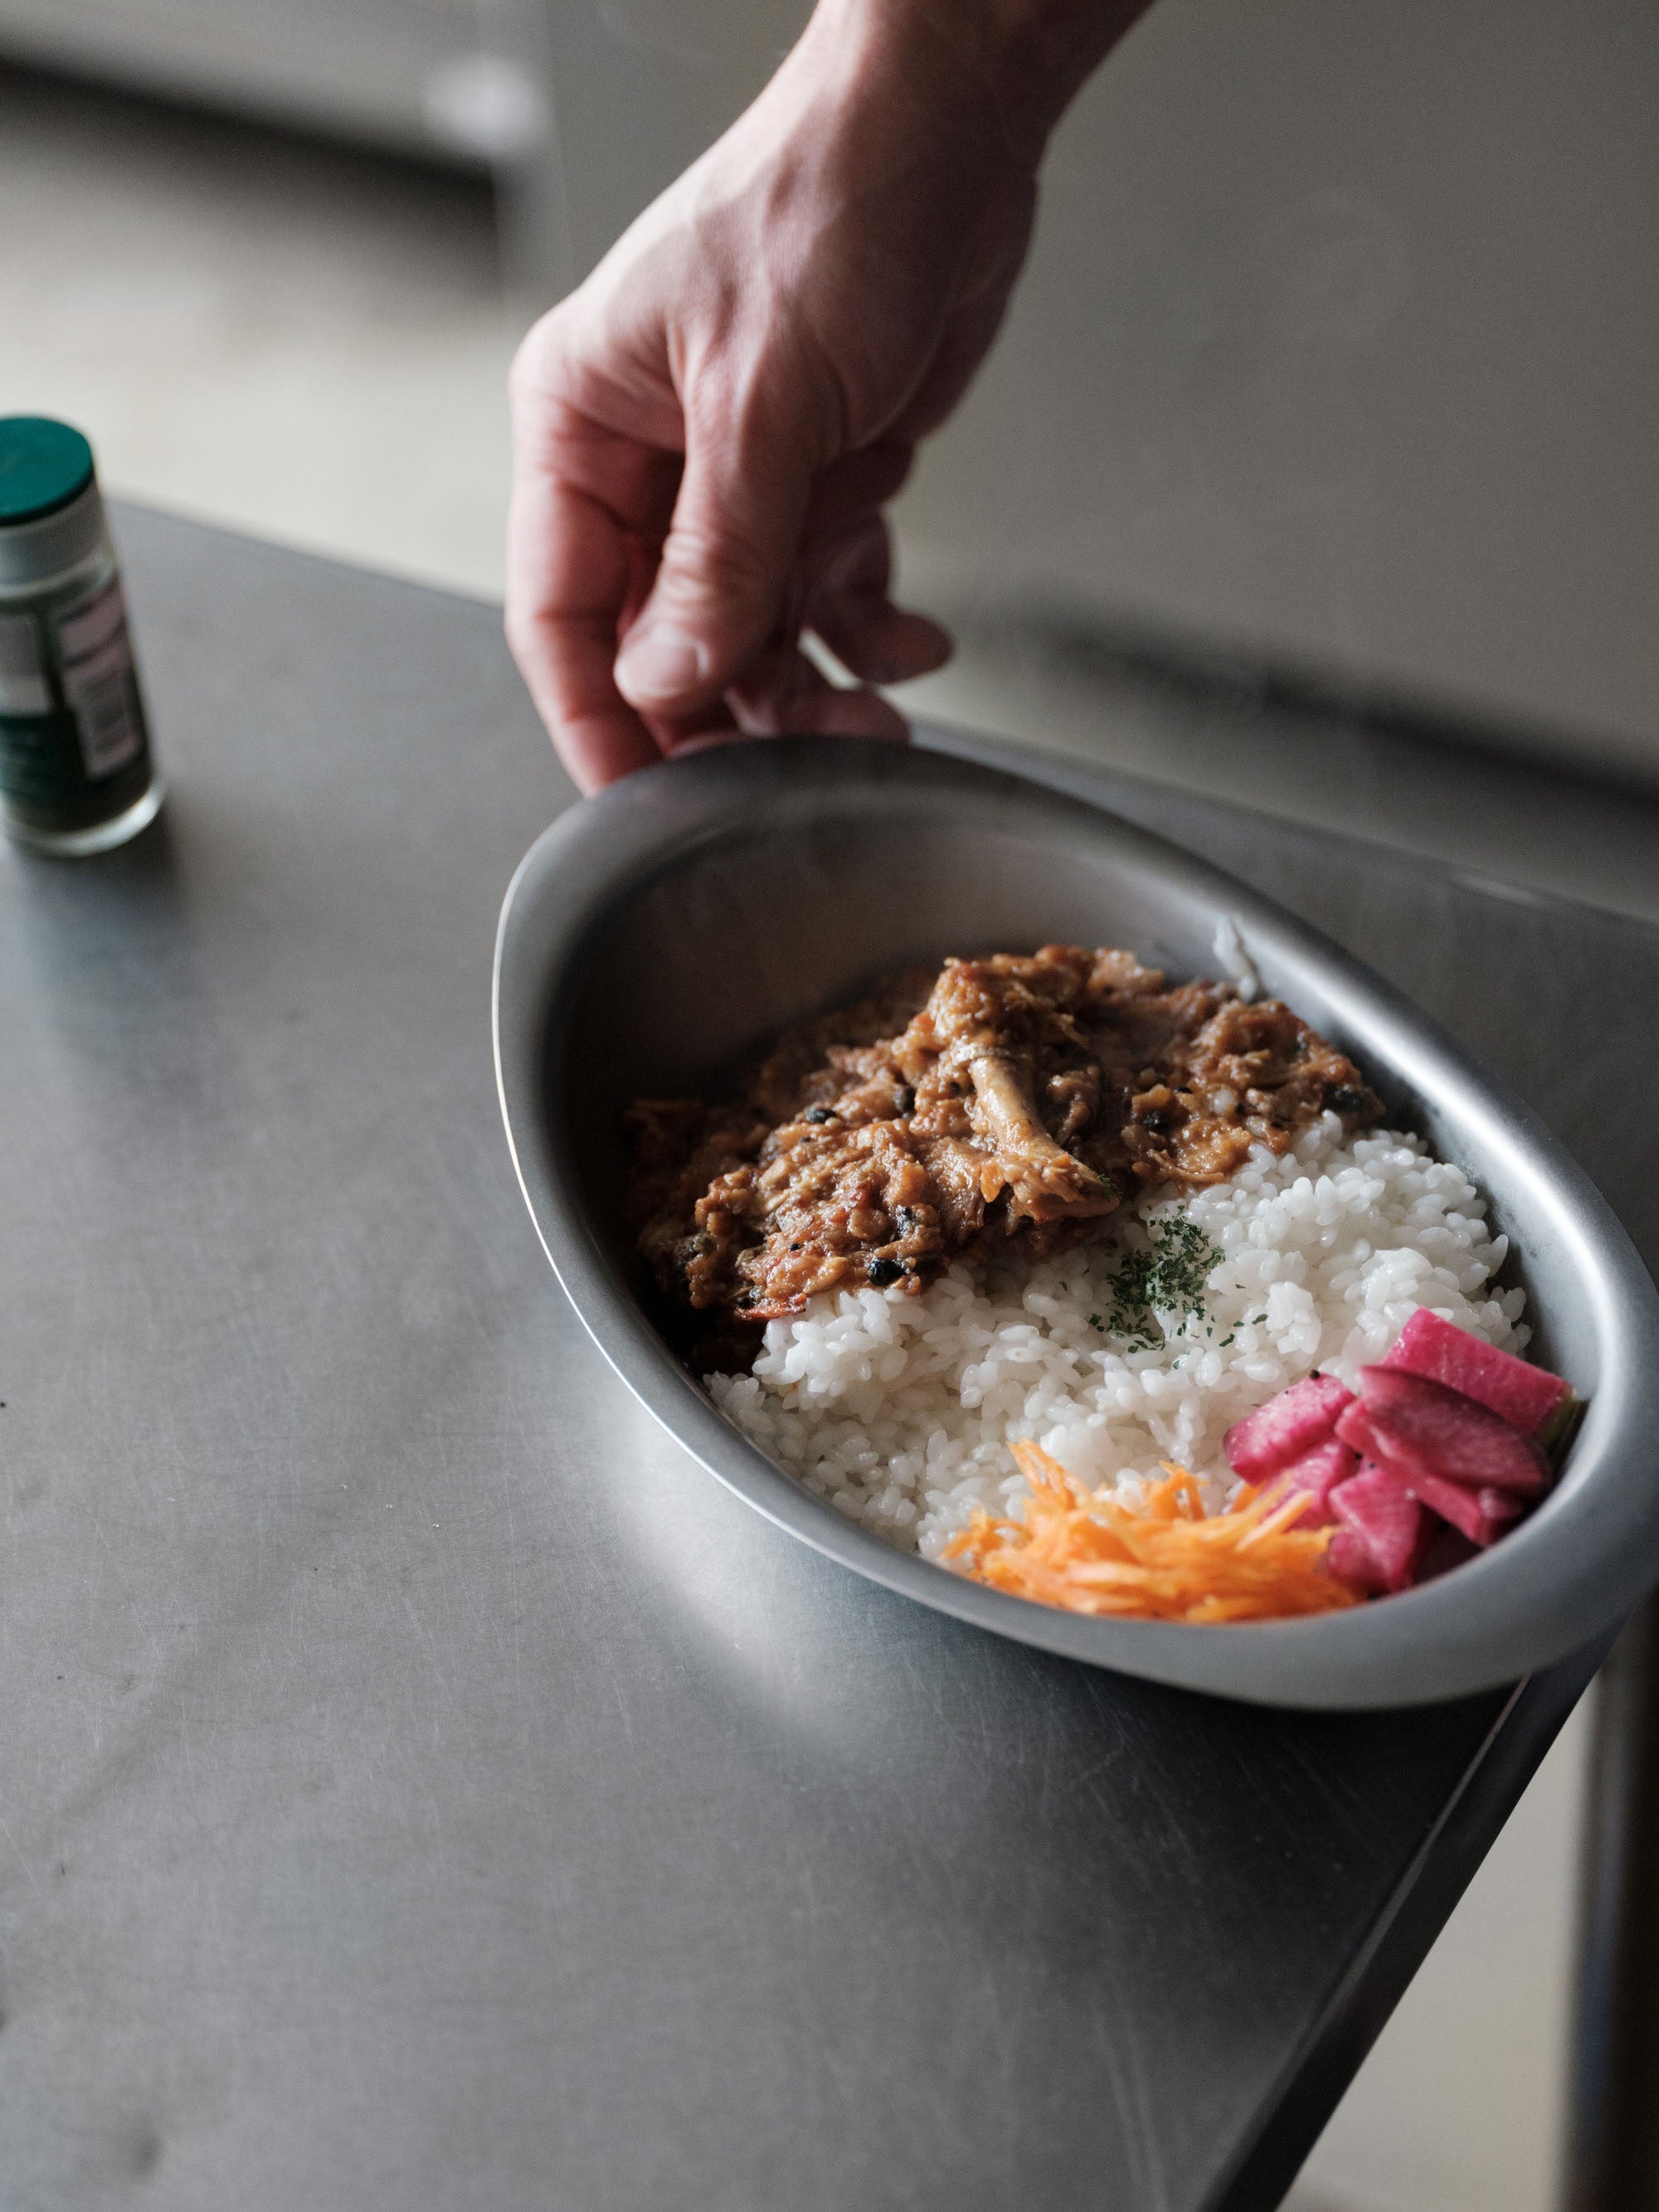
424	1787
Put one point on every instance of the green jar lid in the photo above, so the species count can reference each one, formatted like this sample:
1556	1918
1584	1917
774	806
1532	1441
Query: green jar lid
43	467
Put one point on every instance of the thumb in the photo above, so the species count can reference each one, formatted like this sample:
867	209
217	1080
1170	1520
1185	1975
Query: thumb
720	588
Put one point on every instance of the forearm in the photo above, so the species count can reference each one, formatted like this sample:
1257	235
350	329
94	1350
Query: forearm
1020	62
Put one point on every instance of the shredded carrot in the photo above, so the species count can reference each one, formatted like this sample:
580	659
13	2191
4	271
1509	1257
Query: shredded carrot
1165	1560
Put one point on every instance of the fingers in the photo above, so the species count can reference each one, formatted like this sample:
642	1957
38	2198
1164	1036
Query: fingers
881	643
849	556
570	566
848	606
833	712
786	696
751	557
727	563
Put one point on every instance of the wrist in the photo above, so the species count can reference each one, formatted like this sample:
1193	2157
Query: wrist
1020	61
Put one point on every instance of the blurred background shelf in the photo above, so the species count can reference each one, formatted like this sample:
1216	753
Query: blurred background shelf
364	68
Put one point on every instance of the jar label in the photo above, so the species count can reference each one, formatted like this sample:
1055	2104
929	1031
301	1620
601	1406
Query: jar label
71	718
100	687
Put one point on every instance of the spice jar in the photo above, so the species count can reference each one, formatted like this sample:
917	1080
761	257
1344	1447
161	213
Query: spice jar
75	771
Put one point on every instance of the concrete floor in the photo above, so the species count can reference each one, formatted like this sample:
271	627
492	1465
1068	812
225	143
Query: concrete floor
311	346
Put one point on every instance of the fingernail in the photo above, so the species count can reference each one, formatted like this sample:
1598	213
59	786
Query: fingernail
659	662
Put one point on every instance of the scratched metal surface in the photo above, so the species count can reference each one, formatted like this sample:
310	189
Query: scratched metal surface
420	1787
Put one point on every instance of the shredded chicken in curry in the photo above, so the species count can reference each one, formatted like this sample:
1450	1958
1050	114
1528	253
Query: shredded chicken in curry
1011	1099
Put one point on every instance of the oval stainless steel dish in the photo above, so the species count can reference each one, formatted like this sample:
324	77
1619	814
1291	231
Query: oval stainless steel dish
652	934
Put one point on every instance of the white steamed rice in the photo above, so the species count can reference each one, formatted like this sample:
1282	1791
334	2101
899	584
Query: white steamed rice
900	1410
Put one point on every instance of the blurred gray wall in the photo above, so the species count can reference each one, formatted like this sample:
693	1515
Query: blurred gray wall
1340	336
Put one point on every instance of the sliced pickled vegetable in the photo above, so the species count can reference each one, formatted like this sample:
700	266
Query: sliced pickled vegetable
1525	1396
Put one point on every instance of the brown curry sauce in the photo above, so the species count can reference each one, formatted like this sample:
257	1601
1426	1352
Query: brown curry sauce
1015	1100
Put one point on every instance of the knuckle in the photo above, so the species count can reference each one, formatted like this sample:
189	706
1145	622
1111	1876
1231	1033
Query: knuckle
713	571
541	361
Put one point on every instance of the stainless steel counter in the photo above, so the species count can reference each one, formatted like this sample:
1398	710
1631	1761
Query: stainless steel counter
422	1787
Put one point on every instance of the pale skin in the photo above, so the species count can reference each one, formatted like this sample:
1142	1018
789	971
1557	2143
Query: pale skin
706	433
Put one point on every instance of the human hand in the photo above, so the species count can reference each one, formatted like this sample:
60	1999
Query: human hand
707	431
